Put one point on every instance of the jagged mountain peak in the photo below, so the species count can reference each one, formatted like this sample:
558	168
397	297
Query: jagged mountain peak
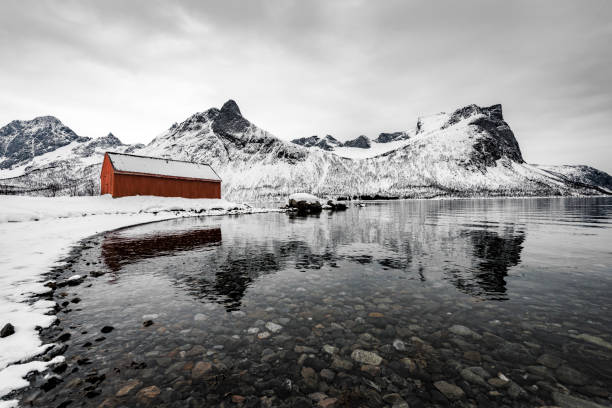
231	107
44	119
221	136
111	139
226	122
361	141
21	140
493	112
48	121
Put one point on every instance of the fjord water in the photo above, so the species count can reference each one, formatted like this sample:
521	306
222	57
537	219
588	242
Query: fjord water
270	307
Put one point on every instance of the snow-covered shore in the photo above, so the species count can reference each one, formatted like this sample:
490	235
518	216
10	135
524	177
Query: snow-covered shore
36	233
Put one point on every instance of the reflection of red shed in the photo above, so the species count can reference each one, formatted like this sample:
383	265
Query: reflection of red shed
127	175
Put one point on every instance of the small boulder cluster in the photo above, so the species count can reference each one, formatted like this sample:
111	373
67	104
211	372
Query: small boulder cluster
309	204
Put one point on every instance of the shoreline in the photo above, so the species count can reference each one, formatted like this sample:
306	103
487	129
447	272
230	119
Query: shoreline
48	244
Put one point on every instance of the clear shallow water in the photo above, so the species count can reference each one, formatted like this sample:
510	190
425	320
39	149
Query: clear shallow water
528	280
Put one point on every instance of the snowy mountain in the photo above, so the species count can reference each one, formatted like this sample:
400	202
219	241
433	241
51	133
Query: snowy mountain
469	152
44	156
22	140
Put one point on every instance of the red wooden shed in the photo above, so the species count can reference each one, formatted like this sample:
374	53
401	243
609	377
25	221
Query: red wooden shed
127	175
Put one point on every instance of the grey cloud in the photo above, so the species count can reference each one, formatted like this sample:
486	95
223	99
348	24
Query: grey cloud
304	67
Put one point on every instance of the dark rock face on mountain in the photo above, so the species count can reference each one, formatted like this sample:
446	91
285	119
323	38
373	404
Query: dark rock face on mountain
107	142
498	140
332	140
307	141
327	143
21	140
419	126
391	137
228	121
363	142
493	112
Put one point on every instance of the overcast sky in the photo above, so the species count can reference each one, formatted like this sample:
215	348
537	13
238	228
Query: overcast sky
298	68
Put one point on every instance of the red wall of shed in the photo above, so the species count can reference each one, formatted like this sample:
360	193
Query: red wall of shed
130	184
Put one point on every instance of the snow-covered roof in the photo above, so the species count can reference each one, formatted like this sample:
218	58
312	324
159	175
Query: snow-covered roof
162	167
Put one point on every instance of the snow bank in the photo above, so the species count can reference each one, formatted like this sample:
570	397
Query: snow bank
309	198
13	377
20	208
29	248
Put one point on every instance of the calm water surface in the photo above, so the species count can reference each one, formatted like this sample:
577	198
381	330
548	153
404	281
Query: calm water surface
508	300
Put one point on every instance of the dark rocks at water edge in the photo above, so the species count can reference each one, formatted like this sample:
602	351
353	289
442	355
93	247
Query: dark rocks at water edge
305	207
71	281
7	330
335	206
314	207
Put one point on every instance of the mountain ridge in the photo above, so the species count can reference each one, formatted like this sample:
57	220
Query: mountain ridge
471	151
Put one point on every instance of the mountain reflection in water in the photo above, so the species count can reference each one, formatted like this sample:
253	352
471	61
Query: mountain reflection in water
475	260
494	255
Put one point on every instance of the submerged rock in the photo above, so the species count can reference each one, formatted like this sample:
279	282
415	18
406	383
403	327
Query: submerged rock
399	345
470	376
569	401
366	357
200	369
450	391
463	331
310	376
568	375
595	340
148	393
273	327
128	387
200	317
550	361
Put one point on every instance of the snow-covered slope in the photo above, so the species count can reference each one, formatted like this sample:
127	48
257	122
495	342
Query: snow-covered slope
375	149
469	152
70	169
581	175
